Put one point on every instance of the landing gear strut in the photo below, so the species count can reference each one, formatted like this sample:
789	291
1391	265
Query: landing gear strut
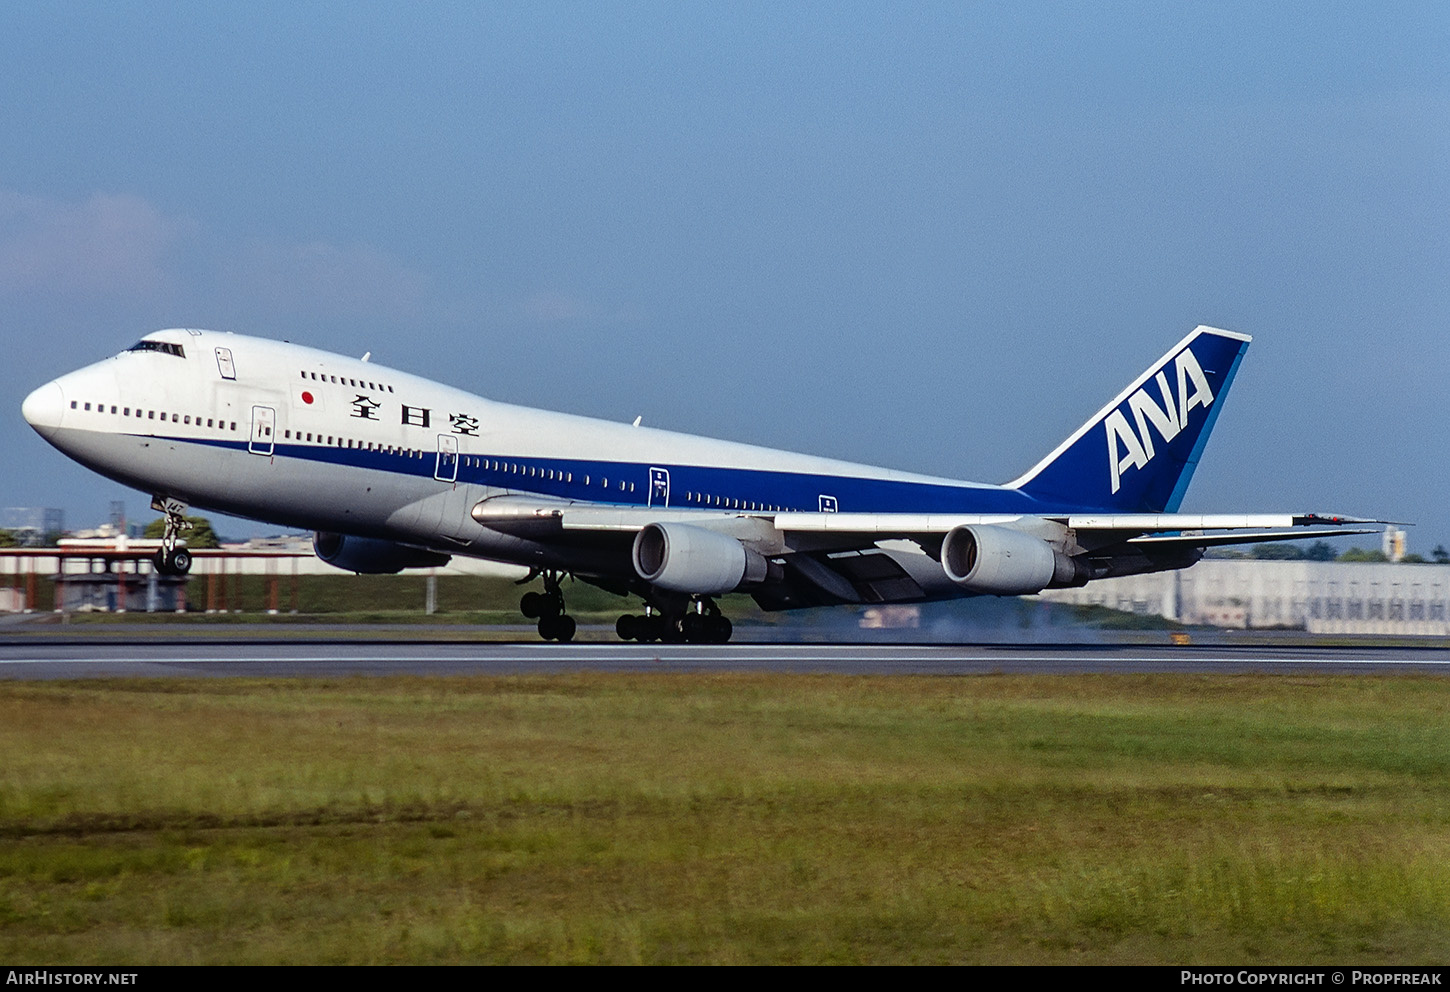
548	608
171	560
702	623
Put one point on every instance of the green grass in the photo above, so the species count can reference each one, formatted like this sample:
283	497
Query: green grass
727	819
466	599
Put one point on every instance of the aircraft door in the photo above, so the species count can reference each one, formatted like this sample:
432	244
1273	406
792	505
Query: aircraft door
828	504
224	363
446	469
264	423
659	487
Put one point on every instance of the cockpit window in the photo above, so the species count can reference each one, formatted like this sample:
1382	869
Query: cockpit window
165	347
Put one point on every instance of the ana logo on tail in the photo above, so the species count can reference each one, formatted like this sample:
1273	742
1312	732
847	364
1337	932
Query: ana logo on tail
1130	448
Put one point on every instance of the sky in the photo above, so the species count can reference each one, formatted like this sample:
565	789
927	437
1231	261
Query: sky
936	237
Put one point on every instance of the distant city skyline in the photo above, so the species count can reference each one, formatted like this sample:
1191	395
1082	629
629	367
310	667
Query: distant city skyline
935	237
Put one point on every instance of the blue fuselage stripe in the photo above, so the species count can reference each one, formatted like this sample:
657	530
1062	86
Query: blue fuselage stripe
690	486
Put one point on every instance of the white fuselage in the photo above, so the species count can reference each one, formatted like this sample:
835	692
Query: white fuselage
299	437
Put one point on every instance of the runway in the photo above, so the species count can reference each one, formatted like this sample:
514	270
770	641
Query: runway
230	656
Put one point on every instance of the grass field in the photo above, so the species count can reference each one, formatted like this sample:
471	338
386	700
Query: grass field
663	818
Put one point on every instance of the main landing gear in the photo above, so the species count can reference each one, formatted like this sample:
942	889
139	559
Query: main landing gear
702	624
548	608
169	559
693	620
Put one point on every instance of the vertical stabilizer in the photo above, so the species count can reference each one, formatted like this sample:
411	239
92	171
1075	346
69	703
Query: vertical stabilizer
1138	453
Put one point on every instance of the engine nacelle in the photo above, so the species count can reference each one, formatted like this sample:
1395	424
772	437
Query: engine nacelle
1005	562
689	559
370	555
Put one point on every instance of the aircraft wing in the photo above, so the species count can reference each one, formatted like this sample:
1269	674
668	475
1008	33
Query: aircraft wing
818	548
527	514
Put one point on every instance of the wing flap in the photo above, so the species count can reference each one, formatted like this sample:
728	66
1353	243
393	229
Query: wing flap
1254	537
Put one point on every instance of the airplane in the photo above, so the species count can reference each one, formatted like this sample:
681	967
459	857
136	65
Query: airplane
393	471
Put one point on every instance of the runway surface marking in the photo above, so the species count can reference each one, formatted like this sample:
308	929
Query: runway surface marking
768	659
331	659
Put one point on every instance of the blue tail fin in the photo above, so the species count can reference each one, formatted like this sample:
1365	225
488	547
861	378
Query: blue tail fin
1138	453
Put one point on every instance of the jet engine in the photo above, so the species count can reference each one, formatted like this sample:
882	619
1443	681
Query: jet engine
689	559
1005	562
370	555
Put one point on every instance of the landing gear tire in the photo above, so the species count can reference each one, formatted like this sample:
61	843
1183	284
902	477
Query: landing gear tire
643	629
539	605
548	608
706	628
693	627
671	632
560	627
718	629
177	562
652	628
626	627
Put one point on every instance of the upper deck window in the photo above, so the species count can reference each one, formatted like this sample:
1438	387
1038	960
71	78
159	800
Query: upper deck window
164	347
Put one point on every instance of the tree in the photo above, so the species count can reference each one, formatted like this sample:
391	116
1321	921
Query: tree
1360	554
1440	555
1413	560
7	539
200	536
1319	551
1278	551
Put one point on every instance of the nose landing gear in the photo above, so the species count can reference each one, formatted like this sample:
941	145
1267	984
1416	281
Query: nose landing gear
169	559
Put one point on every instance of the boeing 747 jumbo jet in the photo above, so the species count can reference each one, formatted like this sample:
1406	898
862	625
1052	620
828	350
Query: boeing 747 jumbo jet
393	471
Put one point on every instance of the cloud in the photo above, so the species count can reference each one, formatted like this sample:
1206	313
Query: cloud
121	246
549	308
319	278
107	244
558	308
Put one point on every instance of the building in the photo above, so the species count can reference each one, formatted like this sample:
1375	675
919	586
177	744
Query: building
1320	597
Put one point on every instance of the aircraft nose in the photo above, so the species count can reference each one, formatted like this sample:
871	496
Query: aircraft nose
42	409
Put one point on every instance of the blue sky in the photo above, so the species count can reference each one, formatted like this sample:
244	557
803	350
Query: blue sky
930	236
